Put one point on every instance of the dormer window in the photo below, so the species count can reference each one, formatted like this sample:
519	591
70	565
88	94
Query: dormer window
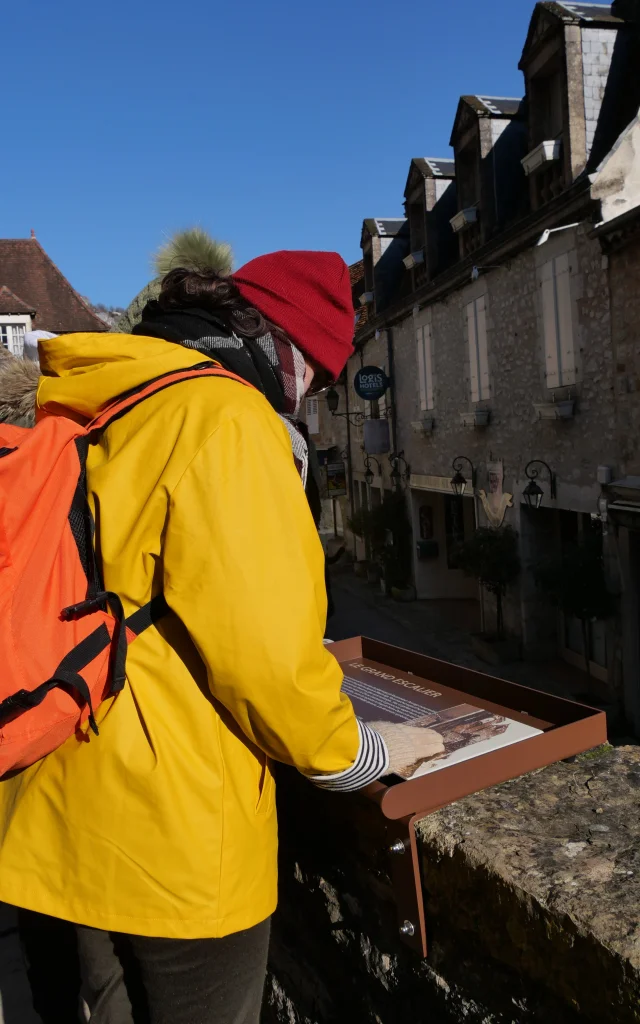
468	177
547	102
368	269
416	212
543	163
12	332
566	62
429	202
466	222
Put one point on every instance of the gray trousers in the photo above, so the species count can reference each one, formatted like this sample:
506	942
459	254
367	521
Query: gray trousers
131	979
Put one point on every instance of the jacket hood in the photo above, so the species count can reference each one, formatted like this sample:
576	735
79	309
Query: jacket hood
82	373
18	385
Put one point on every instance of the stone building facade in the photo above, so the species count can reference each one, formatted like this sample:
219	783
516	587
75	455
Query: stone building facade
516	349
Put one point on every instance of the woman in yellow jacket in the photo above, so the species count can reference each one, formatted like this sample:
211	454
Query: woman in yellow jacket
157	842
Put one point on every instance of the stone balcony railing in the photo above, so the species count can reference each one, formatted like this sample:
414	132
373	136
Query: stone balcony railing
532	900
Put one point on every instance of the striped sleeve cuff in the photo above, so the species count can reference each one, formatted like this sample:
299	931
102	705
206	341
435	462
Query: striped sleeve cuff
371	763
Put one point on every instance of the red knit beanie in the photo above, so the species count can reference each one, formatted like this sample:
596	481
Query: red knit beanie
307	295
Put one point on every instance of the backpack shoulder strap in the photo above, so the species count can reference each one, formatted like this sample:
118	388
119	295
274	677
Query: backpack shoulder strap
128	401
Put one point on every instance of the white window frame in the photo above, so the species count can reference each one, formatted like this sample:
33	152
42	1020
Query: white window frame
14	328
424	349
479	377
558	320
312	414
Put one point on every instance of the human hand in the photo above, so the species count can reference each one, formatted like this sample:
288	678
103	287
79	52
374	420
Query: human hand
408	743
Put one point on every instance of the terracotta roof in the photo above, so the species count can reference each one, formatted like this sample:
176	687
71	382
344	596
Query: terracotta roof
356	273
10	303
26	270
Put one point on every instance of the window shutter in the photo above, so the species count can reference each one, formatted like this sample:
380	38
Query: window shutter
483	354
421	368
550	324
428	366
473	352
566	347
313	418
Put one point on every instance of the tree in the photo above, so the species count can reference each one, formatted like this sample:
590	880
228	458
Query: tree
575	582
386	532
491	556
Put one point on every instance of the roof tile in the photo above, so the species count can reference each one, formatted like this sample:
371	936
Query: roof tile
26	270
11	304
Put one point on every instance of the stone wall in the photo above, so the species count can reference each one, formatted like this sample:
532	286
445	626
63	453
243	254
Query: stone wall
516	435
597	52
532	898
516	359
625	299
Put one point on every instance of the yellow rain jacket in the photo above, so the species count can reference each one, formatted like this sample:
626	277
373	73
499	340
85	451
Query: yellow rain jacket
165	824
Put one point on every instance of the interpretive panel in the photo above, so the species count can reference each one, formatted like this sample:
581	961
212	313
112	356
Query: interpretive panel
467	729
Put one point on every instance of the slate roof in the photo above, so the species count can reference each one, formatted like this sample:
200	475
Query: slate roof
494	106
385	227
503	107
11	304
569	13
435	167
582	12
27	271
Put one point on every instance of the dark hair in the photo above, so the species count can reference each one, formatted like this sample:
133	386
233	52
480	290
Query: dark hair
217	294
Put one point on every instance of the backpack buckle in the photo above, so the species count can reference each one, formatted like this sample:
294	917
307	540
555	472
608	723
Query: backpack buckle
76	611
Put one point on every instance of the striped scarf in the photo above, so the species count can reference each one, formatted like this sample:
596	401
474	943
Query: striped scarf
271	364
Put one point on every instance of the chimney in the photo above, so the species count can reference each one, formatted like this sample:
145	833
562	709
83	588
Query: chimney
628	10
33	234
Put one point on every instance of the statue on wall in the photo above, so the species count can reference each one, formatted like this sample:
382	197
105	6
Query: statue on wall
496	502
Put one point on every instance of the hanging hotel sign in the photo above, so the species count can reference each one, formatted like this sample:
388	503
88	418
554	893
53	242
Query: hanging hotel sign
370	383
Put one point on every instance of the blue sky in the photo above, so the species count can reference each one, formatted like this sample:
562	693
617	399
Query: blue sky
274	125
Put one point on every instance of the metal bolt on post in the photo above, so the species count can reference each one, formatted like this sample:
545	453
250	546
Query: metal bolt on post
398	847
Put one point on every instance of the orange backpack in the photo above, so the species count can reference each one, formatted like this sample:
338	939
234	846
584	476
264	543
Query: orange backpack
63	638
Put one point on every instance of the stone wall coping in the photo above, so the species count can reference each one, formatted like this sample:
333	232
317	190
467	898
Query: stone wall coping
566	837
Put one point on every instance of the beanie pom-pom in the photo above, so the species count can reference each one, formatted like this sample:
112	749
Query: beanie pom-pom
194	249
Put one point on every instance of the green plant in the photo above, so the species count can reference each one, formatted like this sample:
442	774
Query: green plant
386	532
575	582
491	556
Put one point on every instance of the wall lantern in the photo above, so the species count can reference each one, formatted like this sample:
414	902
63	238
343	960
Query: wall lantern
368	472
397	475
333	401
459	482
533	492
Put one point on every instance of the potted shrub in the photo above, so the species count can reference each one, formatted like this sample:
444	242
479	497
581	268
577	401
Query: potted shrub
574	581
395	552
360	525
386	532
491	556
